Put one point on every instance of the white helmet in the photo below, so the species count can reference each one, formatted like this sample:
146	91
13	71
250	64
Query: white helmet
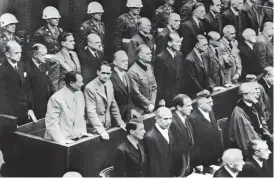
134	3
7	19
95	7
51	12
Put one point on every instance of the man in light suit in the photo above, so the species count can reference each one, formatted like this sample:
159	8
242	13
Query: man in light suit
66	60
65	117
122	86
101	106
264	45
143	83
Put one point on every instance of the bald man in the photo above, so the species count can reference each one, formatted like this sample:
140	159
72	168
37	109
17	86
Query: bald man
122	86
15	95
246	122
232	163
142	37
159	145
91	57
250	61
172	26
264	45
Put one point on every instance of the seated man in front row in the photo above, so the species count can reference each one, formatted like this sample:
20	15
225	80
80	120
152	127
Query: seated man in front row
101	105
65	111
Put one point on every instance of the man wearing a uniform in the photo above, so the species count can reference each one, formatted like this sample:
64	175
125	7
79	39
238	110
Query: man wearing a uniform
93	25
48	34
8	27
160	19
127	25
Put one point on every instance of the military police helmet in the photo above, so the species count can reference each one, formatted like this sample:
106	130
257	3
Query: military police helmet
134	3
51	12
95	7
7	19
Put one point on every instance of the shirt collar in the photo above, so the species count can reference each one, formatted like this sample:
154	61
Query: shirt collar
197	52
120	74
267	36
13	64
234	11
212	13
170	29
266	83
249	3
248	104
70	96
234	175
183	119
36	63
164	132
259	162
196	20
92	52
249	44
144	67
133	142
205	114
172	53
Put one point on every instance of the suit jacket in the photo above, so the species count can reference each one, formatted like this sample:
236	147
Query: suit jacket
128	161
65	116
122	95
253	169
39	86
161	40
238	22
268	90
15	93
208	147
169	75
222	172
143	85
264	50
157	148
186	11
135	42
101	107
64	64
89	64
213	24
253	17
189	31
250	61
196	74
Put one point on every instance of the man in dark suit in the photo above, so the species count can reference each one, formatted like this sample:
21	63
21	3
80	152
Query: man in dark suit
122	86
186	10
182	134
253	15
208	147
15	95
213	19
264	45
232	163
195	73
159	145
256	164
91	58
234	16
129	159
172	26
39	81
250	62
191	28
169	70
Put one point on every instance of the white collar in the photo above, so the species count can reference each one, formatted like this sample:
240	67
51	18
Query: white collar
36	63
249	3
205	114
169	27
249	44
133	142
198	54
233	174
164	132
248	104
171	52
259	162
183	119
92	52
234	11
196	20
13	64
266	83
120	74
214	15
267	36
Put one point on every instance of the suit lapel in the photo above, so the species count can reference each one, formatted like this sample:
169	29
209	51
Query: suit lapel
67	59
198	60
101	90
169	60
133	151
119	82
196	28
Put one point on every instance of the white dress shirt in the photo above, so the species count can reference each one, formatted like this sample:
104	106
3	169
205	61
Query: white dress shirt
121	75
183	119
36	63
205	114
234	175
234	11
259	162
13	64
164	132
172	53
133	142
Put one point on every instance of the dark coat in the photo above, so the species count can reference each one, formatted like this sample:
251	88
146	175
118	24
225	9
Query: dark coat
208	147
196	75
39	85
253	169
15	94
186	11
128	161
213	24
264	50
169	76
159	153
89	64
161	40
253	17
268	90
250	61
239	22
189	31
122	95
222	172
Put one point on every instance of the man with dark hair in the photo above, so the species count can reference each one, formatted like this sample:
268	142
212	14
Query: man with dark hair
213	19
65	117
101	106
182	133
256	164
171	62
207	141
65	60
191	28
253	15
129	159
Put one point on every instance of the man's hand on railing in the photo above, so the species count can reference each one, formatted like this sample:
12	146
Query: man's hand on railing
123	126
32	116
134	113
104	135
150	107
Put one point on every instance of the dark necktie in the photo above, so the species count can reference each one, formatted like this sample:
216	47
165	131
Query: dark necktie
71	57
106	91
15	67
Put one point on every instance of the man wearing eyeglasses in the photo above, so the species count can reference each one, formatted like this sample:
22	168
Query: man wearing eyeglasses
246	122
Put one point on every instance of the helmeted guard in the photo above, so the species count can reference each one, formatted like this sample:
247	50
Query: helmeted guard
127	25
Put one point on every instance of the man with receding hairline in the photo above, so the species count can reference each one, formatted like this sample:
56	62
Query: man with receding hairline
213	19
